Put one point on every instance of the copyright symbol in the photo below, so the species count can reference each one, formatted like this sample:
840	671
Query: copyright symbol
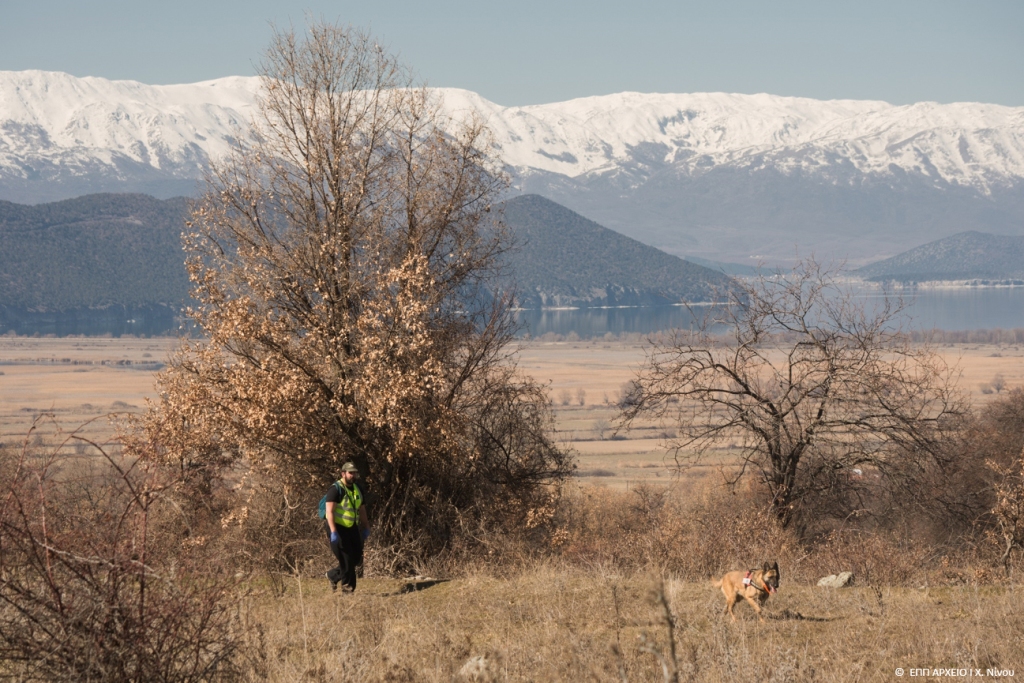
899	672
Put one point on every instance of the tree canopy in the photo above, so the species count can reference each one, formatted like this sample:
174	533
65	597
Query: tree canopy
346	264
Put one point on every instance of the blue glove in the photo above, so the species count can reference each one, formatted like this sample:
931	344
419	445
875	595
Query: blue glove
334	537
366	534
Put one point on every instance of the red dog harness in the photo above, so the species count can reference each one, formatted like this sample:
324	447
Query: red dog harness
747	581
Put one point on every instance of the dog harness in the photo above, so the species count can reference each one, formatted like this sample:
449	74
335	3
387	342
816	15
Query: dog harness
748	581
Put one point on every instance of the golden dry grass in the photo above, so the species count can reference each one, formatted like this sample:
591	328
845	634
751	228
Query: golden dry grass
41	374
554	621
564	624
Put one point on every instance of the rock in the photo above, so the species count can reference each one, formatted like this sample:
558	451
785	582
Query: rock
479	669
837	580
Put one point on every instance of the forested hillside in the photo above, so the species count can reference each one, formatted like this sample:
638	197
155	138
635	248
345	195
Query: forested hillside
125	250
965	256
93	251
563	259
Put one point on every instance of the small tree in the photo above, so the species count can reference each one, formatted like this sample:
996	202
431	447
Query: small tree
1009	507
809	383
91	587
345	260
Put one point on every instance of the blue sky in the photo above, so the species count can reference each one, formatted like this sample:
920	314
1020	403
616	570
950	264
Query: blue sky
536	51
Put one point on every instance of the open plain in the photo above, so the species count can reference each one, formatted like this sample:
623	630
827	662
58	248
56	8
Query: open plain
88	380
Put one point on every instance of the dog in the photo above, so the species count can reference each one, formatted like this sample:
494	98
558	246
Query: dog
754	586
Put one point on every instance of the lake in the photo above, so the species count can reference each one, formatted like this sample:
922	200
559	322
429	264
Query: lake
966	308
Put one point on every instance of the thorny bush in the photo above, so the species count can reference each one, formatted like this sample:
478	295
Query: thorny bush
90	589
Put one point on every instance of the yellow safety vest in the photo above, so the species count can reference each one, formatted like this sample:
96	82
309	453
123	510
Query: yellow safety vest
345	512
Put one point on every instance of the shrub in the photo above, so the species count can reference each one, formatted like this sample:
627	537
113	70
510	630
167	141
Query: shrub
88	588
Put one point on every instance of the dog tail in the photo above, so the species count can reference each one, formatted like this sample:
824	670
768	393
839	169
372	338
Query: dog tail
717	583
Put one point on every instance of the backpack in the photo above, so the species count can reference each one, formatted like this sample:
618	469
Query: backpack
323	504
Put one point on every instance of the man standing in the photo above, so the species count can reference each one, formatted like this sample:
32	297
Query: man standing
344	509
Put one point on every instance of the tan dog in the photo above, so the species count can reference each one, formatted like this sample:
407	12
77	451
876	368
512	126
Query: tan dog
754	586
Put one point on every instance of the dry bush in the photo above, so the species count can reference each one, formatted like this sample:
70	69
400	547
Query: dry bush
88	588
958	504
699	529
348	269
629	394
875	558
692	531
1008	511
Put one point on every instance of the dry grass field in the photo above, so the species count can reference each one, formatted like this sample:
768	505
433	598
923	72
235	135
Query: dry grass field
589	619
552	624
79	380
83	379
600	368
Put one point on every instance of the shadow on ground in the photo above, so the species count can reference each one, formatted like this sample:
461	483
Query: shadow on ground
788	615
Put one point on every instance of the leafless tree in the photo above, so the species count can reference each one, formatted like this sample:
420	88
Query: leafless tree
346	263
90	588
821	393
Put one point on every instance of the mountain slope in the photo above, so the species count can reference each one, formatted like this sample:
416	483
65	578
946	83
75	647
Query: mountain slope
965	256
70	259
94	251
741	178
563	259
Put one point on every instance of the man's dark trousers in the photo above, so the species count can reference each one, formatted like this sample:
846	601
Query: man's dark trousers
349	551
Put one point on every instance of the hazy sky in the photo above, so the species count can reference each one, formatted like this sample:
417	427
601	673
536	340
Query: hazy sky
535	51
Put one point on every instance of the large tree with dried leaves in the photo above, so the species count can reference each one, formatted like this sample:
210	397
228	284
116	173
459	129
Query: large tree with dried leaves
819	394
345	261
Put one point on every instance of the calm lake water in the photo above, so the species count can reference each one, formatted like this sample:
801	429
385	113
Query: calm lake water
972	308
945	309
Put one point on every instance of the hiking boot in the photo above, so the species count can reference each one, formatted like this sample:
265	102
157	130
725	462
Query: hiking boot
334	584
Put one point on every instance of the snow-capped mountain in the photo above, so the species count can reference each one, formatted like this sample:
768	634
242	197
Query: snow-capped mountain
977	145
61	136
716	175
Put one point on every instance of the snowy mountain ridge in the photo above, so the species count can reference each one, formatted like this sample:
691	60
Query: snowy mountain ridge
964	143
726	177
53	125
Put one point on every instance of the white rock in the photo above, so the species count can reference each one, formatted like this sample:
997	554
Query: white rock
478	669
841	580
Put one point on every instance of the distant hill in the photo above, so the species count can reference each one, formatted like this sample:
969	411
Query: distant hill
115	256
738	269
94	251
563	259
964	256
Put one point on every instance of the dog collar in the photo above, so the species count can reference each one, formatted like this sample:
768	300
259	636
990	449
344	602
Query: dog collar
747	581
